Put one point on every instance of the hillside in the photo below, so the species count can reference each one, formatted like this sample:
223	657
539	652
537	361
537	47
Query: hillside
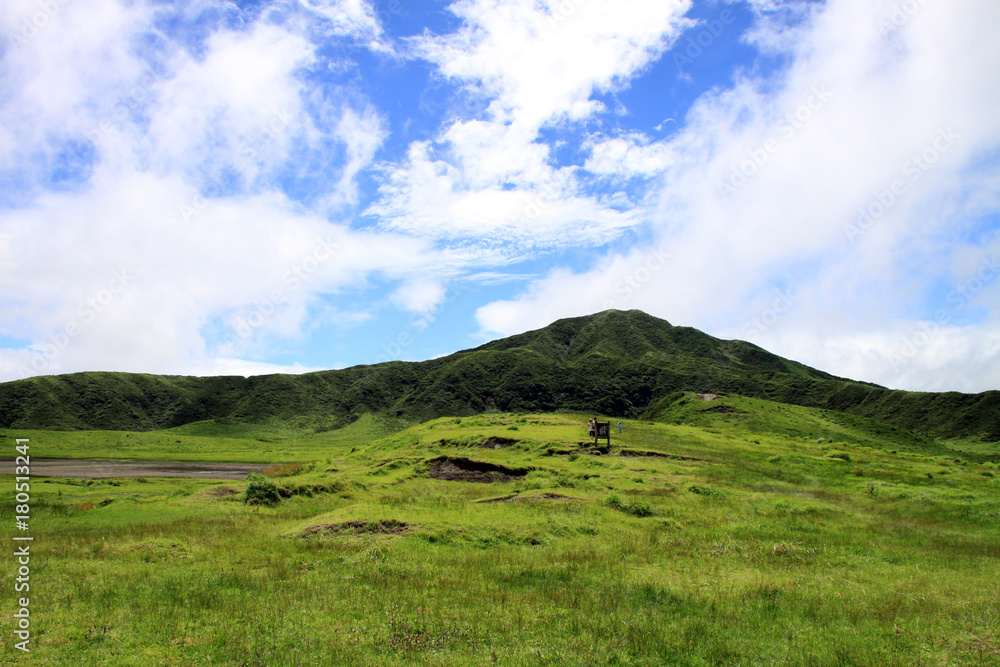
507	539
614	363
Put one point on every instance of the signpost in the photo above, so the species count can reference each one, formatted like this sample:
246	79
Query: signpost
603	431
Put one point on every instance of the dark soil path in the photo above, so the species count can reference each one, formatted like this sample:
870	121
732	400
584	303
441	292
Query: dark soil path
88	469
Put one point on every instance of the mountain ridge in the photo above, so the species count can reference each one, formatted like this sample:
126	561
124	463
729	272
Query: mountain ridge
614	363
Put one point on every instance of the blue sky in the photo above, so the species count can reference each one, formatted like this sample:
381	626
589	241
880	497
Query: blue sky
254	187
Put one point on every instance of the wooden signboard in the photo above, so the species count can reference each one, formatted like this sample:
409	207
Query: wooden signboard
603	431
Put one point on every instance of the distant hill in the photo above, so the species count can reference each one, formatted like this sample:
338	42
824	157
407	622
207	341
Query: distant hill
614	363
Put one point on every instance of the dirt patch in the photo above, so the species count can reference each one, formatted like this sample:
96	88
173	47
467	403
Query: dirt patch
496	442
383	527
466	470
640	452
707	397
492	442
498	499
222	491
513	497
982	646
558	496
91	469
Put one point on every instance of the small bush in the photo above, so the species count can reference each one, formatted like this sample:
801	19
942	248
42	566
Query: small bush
640	509
614	500
706	491
842	456
637	508
261	491
774	459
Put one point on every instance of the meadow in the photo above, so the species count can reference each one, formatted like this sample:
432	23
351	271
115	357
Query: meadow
723	533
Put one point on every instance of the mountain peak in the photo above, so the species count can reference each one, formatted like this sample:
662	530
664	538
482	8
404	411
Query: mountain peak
615	363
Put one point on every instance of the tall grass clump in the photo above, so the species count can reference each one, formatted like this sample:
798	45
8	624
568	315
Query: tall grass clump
261	491
635	508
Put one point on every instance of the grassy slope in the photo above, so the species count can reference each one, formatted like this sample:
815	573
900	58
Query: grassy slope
616	363
735	415
763	547
205	441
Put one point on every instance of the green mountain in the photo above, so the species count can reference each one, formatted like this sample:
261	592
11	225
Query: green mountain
614	363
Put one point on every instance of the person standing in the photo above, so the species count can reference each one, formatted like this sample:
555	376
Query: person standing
593	427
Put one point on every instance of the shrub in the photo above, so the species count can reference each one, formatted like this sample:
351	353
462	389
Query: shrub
636	508
706	491
774	459
614	500
843	456
261	491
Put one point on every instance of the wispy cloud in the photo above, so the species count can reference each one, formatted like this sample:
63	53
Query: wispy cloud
856	108
846	153
491	177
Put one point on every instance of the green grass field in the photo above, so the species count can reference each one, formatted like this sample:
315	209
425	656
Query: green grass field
720	539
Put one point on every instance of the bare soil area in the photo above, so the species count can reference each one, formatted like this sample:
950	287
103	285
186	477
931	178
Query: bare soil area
465	470
383	527
89	469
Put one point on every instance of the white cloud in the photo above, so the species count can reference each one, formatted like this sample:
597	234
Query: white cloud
255	260
491	179
419	295
226	150
539	61
920	355
767	179
628	156
355	18
159	260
